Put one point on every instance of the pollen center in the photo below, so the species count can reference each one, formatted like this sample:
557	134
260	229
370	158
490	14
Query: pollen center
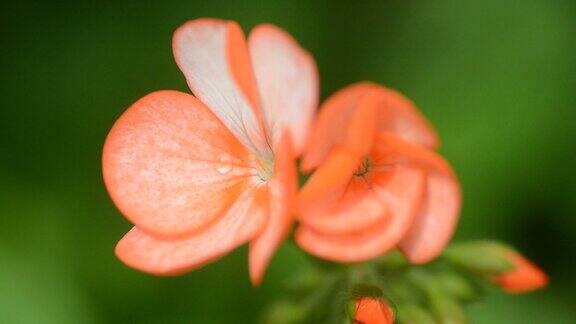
364	167
264	168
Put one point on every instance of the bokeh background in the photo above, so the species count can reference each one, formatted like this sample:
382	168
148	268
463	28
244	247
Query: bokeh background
497	78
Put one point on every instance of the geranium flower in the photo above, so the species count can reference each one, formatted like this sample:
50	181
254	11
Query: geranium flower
372	311
201	175
378	185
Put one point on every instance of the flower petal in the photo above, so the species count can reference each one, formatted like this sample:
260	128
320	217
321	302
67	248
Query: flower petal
346	118
355	207
434	227
525	277
398	115
287	81
214	58
282	190
332	176
390	149
163	256
171	166
402	191
394	113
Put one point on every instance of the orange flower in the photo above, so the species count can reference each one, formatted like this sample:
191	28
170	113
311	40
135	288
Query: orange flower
200	176
378	184
525	277
373	311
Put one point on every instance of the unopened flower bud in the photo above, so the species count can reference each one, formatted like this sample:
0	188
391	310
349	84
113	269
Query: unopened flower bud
368	310
499	263
525	276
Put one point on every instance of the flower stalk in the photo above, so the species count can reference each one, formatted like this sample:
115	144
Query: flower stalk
437	292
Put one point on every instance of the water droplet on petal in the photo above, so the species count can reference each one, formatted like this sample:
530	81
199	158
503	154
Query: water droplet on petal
224	169
225	165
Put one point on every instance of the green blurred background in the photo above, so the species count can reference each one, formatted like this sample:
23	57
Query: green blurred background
497	78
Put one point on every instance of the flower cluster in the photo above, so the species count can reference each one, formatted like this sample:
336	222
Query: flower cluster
199	175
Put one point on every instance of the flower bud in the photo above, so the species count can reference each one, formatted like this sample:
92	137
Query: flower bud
499	263
525	276
370	310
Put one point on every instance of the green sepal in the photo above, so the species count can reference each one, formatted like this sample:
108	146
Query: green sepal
457	285
446	309
483	257
401	290
305	281
366	290
284	312
393	261
351	309
413	314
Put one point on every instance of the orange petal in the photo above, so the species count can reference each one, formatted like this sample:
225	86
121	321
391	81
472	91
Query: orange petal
361	130
390	149
240	63
340	122
162	256
435	225
333	175
398	115
355	207
393	113
524	278
373	311
282	188
171	166
214	58
402	192
287	82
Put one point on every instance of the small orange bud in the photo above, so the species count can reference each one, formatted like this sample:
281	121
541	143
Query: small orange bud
525	277
373	311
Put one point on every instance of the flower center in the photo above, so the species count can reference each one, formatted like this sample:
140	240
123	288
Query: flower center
364	167
264	168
